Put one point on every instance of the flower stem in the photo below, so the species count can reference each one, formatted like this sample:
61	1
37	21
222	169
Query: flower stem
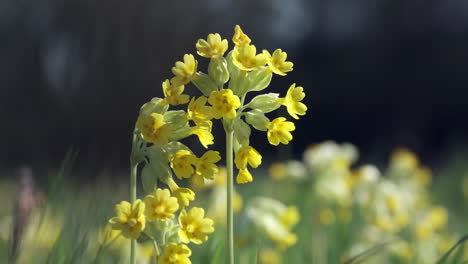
230	191
133	187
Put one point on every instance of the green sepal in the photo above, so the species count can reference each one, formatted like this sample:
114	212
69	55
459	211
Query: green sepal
173	147
259	79
241	130
158	162
149	178
265	102
156	105
257	119
177	119
204	83
218	71
143	237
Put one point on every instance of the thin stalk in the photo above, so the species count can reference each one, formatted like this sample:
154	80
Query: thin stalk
230	191
133	187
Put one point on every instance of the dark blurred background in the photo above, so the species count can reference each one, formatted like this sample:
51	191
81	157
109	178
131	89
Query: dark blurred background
377	73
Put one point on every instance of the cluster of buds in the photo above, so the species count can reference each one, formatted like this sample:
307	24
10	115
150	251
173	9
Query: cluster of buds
158	133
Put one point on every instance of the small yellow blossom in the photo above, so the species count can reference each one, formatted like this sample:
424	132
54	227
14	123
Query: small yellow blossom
285	241
326	216
159	205
182	163
130	218
244	176
290	217
198	111
194	227
279	131
277	62
203	131
404	159
224	104
246	58
153	129
183	195
438	217
213	47
173	94
184	71
270	256
278	171
205	165
239	38
176	254
292	101
247	154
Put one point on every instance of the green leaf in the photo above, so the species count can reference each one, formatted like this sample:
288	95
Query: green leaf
446	256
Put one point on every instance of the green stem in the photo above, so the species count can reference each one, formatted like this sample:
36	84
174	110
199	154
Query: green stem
133	188
230	191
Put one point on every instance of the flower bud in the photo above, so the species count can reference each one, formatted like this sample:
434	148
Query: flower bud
257	119
156	105
204	83
265	102
218	71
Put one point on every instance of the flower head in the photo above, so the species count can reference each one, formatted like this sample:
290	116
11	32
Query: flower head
173	94
206	166
213	47
176	254
247	154
159	205
130	218
246	58
181	163
279	131
194	227
153	129
183	195
184	71
198	111
292	101
277	62
224	103
244	176
239	38
203	131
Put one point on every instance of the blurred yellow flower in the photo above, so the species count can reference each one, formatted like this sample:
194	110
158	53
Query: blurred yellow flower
182	163
239	38
290	217
326	216
184	71
213	47
159	205
244	176
270	256
203	131
153	129
404	159
292	101
173	94
246	58
278	171
247	154
279	131
224	103
194	227
277	62
130	218
176	254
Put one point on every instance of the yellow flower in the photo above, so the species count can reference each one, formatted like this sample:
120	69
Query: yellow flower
159	205
278	63
244	176
224	104
176	254
246	58
198	111
194	227
279	131
153	129
247	154
284	241
184	71
183	195
205	165
326	216
290	217
278	171
292	101
270	256
213	47
173	94
404	159
130	218
203	131
181	163
239	38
